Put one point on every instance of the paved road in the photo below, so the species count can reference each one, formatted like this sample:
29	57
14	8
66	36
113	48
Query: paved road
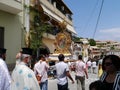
52	84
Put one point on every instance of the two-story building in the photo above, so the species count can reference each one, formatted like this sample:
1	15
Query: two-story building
15	22
55	11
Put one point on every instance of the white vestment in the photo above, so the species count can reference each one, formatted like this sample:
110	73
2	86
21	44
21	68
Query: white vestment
4	76
23	78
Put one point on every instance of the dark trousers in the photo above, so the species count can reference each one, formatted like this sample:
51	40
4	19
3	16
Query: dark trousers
80	82
62	87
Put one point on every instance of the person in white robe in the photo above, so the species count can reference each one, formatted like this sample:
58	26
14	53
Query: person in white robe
5	79
23	78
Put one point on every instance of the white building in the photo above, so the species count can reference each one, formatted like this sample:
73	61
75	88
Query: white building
15	21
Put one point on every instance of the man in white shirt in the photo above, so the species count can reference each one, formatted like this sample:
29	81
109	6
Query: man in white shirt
5	79
81	72
89	63
41	69
94	66
62	71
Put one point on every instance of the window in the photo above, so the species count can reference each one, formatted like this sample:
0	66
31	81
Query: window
1	37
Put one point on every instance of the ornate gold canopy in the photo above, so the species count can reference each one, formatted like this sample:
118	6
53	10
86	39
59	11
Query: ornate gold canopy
62	41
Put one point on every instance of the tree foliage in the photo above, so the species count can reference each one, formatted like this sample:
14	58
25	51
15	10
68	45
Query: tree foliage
92	42
37	35
39	27
112	47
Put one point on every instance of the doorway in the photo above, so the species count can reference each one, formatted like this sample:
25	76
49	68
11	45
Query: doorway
1	37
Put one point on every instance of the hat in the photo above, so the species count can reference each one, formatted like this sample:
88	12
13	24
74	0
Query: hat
2	50
27	51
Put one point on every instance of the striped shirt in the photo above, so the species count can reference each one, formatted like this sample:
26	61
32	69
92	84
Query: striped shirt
116	85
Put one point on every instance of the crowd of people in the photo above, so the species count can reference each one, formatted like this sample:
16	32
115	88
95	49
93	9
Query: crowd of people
109	74
25	78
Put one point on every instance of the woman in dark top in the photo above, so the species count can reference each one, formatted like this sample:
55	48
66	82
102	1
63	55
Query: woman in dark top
111	75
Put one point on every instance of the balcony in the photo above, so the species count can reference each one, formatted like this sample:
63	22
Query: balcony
11	6
54	12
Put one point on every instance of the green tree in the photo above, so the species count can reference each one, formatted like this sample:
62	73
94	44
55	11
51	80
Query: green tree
112	48
37	35
92	42
38	28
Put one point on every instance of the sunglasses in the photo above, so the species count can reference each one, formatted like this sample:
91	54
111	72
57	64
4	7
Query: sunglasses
108	64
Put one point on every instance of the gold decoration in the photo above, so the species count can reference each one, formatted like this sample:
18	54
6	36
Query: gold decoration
63	41
62	26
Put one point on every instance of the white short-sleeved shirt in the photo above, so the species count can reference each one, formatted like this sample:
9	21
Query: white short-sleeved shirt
61	69
41	68
94	64
100	61
89	63
79	68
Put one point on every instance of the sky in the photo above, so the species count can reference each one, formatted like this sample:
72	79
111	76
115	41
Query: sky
85	15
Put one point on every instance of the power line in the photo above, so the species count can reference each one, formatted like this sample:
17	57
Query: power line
91	15
98	18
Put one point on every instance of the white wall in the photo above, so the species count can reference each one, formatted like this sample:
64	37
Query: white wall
12	34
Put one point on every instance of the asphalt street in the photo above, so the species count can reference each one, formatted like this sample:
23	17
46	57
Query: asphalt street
52	83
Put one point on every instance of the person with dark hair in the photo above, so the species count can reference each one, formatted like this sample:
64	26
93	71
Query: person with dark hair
5	78
81	72
41	69
23	78
97	85
62	71
111	74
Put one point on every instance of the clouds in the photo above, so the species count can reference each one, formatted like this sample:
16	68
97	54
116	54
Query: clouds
108	34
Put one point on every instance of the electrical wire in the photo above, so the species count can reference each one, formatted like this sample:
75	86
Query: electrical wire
98	18
91	15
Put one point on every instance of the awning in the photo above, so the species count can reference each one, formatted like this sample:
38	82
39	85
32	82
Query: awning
69	27
51	13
